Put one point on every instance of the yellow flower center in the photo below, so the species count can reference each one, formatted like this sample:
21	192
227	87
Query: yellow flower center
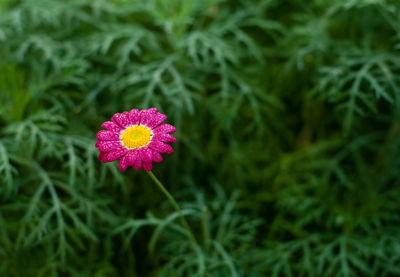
136	136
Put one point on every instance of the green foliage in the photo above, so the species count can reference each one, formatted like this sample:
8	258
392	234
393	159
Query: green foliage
225	234
292	105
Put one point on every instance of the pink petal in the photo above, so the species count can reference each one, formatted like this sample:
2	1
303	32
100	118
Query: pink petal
105	146
146	116
138	163
107	135
134	117
148	166
157	119
114	155
111	126
164	137
127	122
122	119
161	147
145	154
132	156
101	156
156	156
123	163
164	128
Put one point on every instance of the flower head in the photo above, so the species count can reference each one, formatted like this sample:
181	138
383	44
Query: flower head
136	138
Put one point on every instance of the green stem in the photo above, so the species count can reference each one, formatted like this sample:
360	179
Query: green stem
177	208
205	227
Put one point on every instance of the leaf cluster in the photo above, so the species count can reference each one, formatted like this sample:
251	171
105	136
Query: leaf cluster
294	104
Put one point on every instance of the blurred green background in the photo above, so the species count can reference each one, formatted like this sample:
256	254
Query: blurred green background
288	126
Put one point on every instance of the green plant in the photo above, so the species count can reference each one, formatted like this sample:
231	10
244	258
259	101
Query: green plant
292	103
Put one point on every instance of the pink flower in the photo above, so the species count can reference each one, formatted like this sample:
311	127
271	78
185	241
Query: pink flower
136	138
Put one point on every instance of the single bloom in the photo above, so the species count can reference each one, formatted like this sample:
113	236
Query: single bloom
137	138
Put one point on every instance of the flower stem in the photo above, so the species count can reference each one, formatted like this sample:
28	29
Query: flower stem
177	208
205	227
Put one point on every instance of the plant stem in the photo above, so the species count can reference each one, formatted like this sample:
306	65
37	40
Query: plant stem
205	227
177	208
